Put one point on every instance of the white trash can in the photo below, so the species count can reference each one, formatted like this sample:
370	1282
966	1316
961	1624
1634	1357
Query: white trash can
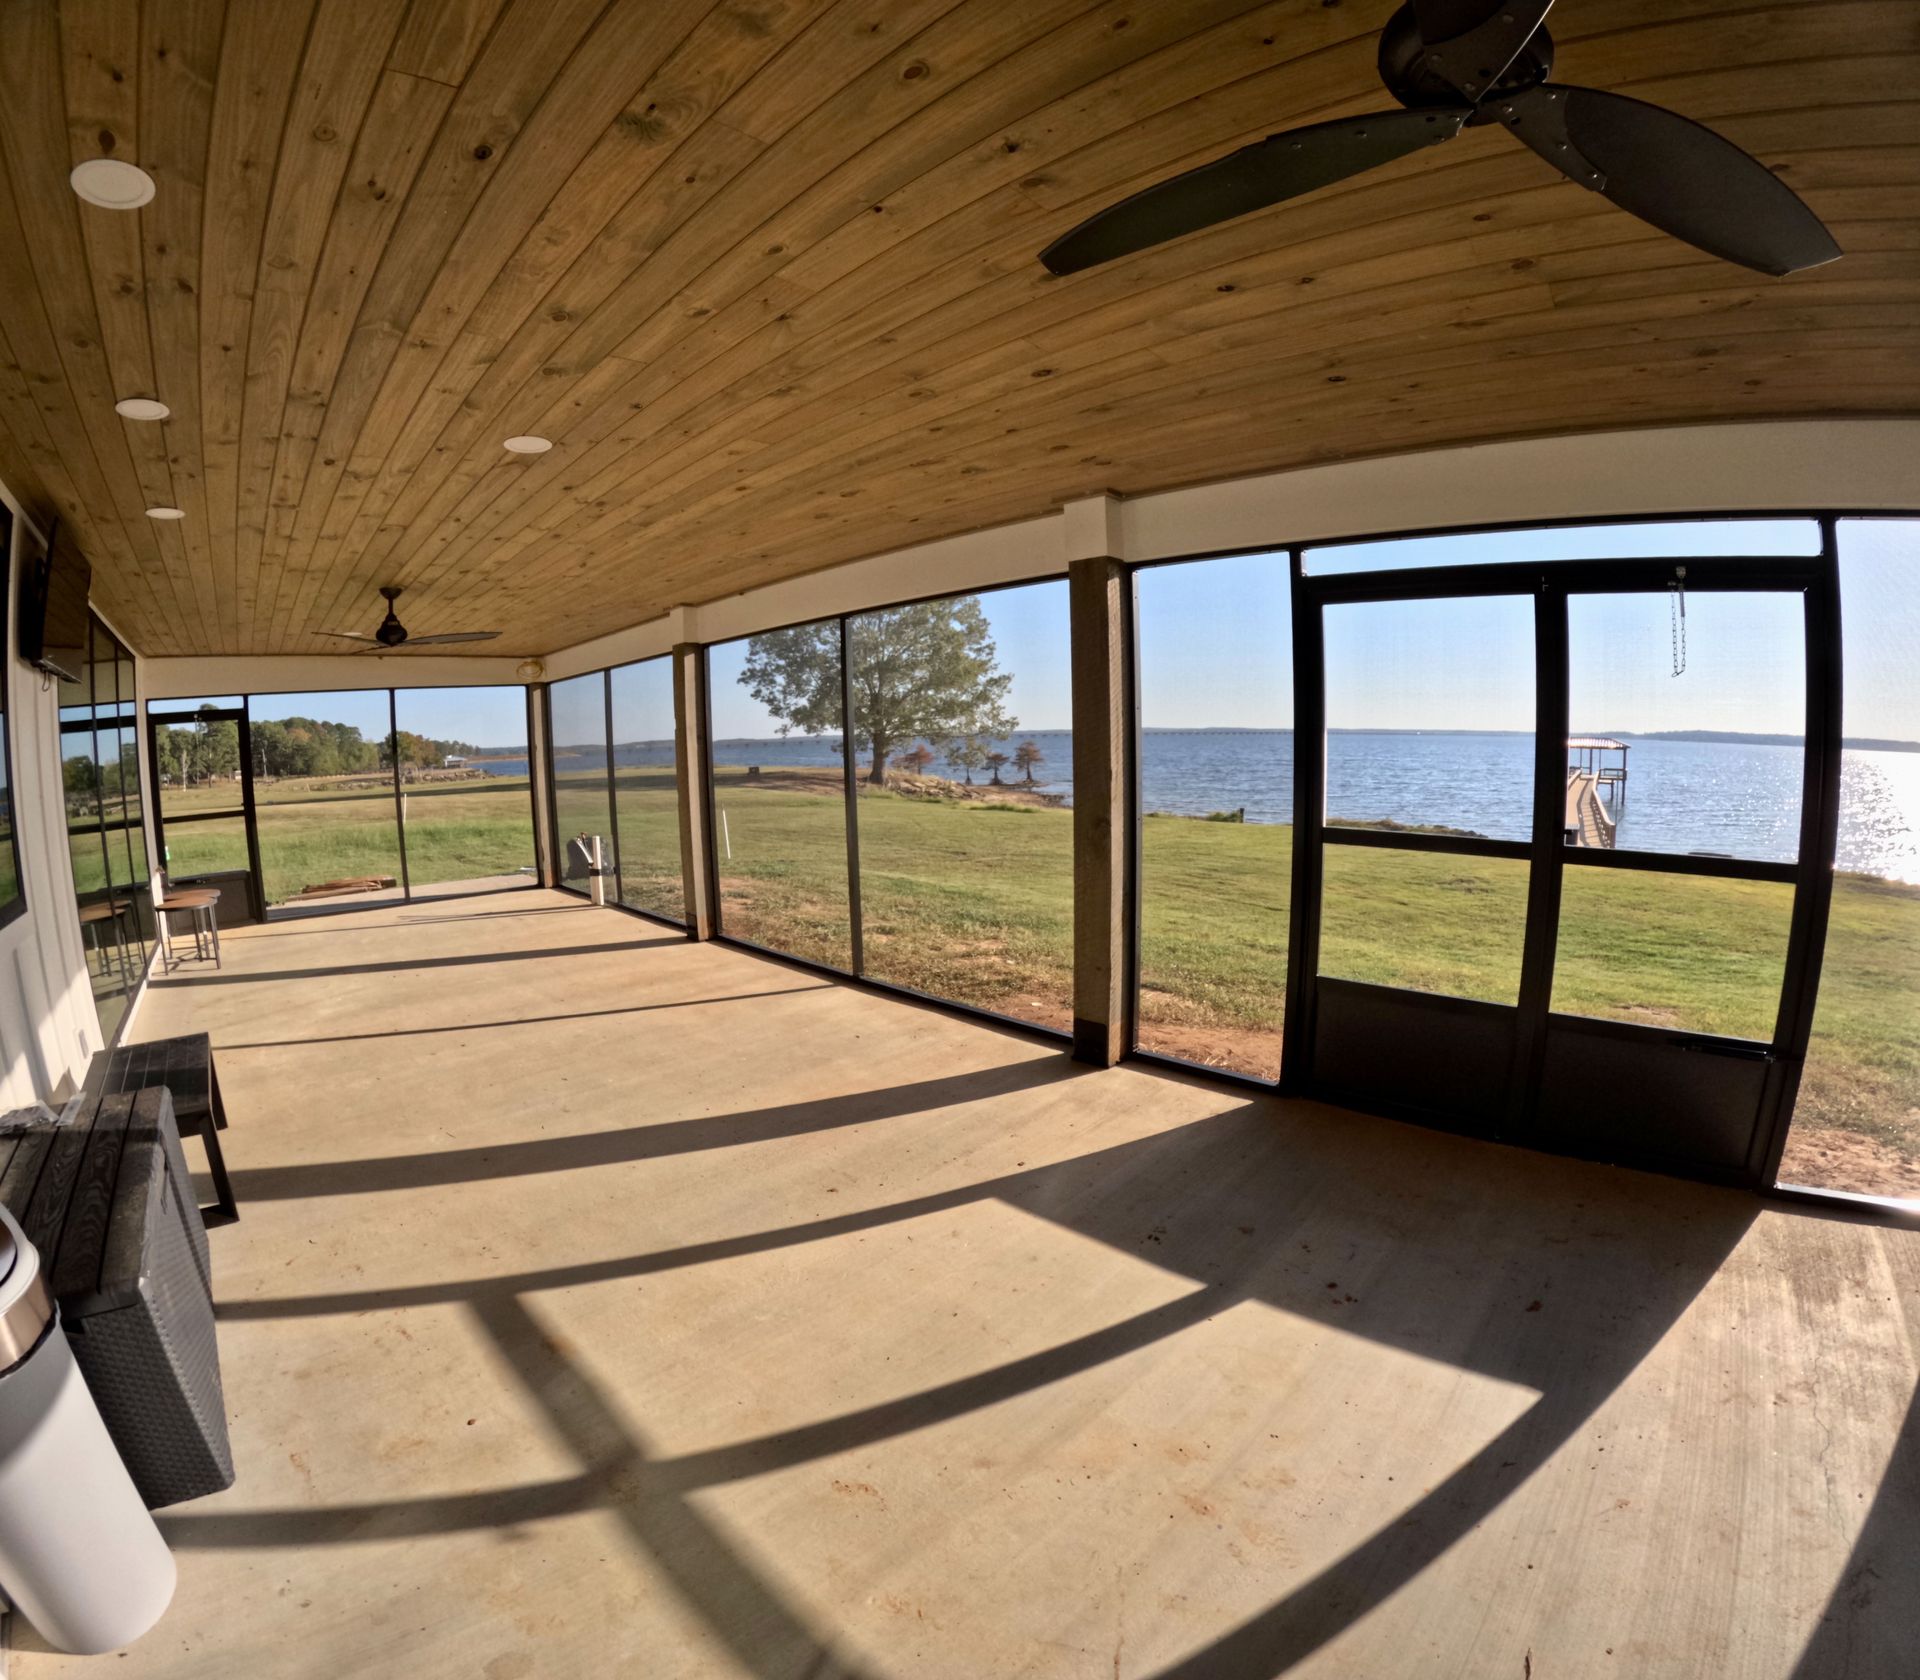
80	1556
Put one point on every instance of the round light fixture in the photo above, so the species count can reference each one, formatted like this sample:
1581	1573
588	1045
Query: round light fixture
111	184
529	445
166	513
530	670
141	408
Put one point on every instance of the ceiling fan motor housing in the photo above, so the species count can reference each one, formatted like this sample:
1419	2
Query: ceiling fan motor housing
391	632
1413	74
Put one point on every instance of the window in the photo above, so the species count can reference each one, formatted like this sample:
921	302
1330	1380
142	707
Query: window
962	758
646	789
1216	809
100	780
466	810
582	802
1856	1124
779	791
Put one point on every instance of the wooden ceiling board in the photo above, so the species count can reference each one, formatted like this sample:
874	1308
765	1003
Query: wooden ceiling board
765	271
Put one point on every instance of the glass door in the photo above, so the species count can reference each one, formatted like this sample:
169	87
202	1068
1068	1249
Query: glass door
1573	848
203	807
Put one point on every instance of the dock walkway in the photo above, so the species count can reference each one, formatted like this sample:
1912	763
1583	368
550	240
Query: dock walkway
1588	821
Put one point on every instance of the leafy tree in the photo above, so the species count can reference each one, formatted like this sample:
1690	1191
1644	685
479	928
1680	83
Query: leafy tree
994	761
926	670
200	751
914	760
967	753
1028	757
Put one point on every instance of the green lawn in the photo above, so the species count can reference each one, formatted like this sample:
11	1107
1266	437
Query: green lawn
315	831
973	901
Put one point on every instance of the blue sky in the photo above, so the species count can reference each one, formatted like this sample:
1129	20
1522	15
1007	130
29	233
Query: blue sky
487	717
1214	649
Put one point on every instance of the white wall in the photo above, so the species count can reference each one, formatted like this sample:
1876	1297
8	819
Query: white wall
48	1029
1863	465
193	679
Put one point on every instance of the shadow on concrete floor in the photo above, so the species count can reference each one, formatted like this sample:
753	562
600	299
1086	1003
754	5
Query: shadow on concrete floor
333	971
1558	1277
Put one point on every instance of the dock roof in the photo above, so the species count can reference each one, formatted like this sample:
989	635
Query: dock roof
1606	741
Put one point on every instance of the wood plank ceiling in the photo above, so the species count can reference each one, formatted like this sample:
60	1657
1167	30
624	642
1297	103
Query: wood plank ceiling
765	271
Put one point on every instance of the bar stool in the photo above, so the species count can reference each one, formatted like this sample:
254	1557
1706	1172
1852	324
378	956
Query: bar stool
98	922
199	903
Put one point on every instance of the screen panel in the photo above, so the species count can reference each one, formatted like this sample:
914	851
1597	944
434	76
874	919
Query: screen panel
579	757
1856	1124
323	791
1702	699
646	788
779	791
466	803
1430	716
1623	540
1216	753
1424	921
963	761
1686	952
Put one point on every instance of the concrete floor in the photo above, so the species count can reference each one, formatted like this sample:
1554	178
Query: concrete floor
609	1305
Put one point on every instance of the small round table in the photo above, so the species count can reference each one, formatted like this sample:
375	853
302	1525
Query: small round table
199	903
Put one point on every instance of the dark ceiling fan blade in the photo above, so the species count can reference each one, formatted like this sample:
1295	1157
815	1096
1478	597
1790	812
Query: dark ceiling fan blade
1670	171
350	636
1281	167
1471	42
456	636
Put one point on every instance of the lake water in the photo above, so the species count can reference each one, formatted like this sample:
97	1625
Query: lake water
1682	796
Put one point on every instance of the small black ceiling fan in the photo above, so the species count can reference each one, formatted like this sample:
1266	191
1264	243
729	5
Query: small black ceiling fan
392	634
1457	64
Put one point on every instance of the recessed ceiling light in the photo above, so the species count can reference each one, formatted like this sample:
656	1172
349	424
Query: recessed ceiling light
166	513
141	408
529	445
111	184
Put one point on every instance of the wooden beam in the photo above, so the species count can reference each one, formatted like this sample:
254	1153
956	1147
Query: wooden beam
690	780
1098	590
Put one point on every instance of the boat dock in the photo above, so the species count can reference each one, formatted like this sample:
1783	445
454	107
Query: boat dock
1596	789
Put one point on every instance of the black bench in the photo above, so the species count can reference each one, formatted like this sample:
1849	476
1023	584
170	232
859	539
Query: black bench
185	1067
108	1202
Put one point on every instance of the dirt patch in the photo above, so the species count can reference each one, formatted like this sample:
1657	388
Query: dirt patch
1247	1050
1827	1158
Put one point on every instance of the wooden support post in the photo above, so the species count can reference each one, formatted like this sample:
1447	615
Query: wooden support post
1102	762
690	778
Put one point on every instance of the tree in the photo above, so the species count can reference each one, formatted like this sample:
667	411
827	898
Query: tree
914	760
1027	756
994	761
967	753
926	670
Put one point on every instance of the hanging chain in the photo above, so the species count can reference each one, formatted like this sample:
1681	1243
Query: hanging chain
1677	610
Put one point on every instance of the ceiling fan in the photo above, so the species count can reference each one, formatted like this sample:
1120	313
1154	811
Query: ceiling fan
392	634
1457	64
